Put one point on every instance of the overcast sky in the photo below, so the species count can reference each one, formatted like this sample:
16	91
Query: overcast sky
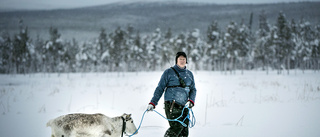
58	4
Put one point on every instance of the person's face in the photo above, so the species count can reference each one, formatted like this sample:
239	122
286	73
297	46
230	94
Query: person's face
181	61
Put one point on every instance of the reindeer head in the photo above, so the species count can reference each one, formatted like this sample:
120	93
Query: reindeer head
130	127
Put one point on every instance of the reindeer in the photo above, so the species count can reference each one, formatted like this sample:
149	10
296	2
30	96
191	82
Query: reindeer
91	125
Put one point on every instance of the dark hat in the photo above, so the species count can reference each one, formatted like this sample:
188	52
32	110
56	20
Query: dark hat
181	54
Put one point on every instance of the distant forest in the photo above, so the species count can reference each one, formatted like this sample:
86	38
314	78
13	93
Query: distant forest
284	45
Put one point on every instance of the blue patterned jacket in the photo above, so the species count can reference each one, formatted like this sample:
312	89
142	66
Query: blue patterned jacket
179	94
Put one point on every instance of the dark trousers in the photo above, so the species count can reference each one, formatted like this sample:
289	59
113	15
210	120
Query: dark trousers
176	129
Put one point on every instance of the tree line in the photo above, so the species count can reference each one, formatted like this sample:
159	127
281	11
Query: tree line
282	46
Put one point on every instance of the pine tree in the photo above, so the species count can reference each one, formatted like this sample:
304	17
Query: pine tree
250	22
139	53
129	48
244	45
264	28
168	35
315	53
38	56
102	41
195	48
55	50
262	50
296	41
6	56
117	47
270	49
213	34
305	47
82	58
21	54
167	50
104	46
222	51
232	44
180	43
154	49
317	43
284	45
72	48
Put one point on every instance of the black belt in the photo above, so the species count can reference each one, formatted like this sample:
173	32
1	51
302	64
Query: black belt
168	102
175	104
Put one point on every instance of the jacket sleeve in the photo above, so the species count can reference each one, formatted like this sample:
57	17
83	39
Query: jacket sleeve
160	89
193	91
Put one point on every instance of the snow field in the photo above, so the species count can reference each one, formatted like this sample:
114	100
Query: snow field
249	105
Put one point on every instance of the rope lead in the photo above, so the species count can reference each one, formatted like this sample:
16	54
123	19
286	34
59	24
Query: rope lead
192	121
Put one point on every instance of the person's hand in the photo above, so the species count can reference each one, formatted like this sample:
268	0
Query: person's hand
190	103
150	107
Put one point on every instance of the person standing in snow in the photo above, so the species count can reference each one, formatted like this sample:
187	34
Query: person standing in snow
178	84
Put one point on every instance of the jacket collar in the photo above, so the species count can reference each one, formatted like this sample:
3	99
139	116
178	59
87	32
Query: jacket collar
180	69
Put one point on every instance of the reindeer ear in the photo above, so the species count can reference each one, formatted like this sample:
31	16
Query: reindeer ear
127	116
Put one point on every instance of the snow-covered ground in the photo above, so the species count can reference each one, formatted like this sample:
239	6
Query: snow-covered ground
249	105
